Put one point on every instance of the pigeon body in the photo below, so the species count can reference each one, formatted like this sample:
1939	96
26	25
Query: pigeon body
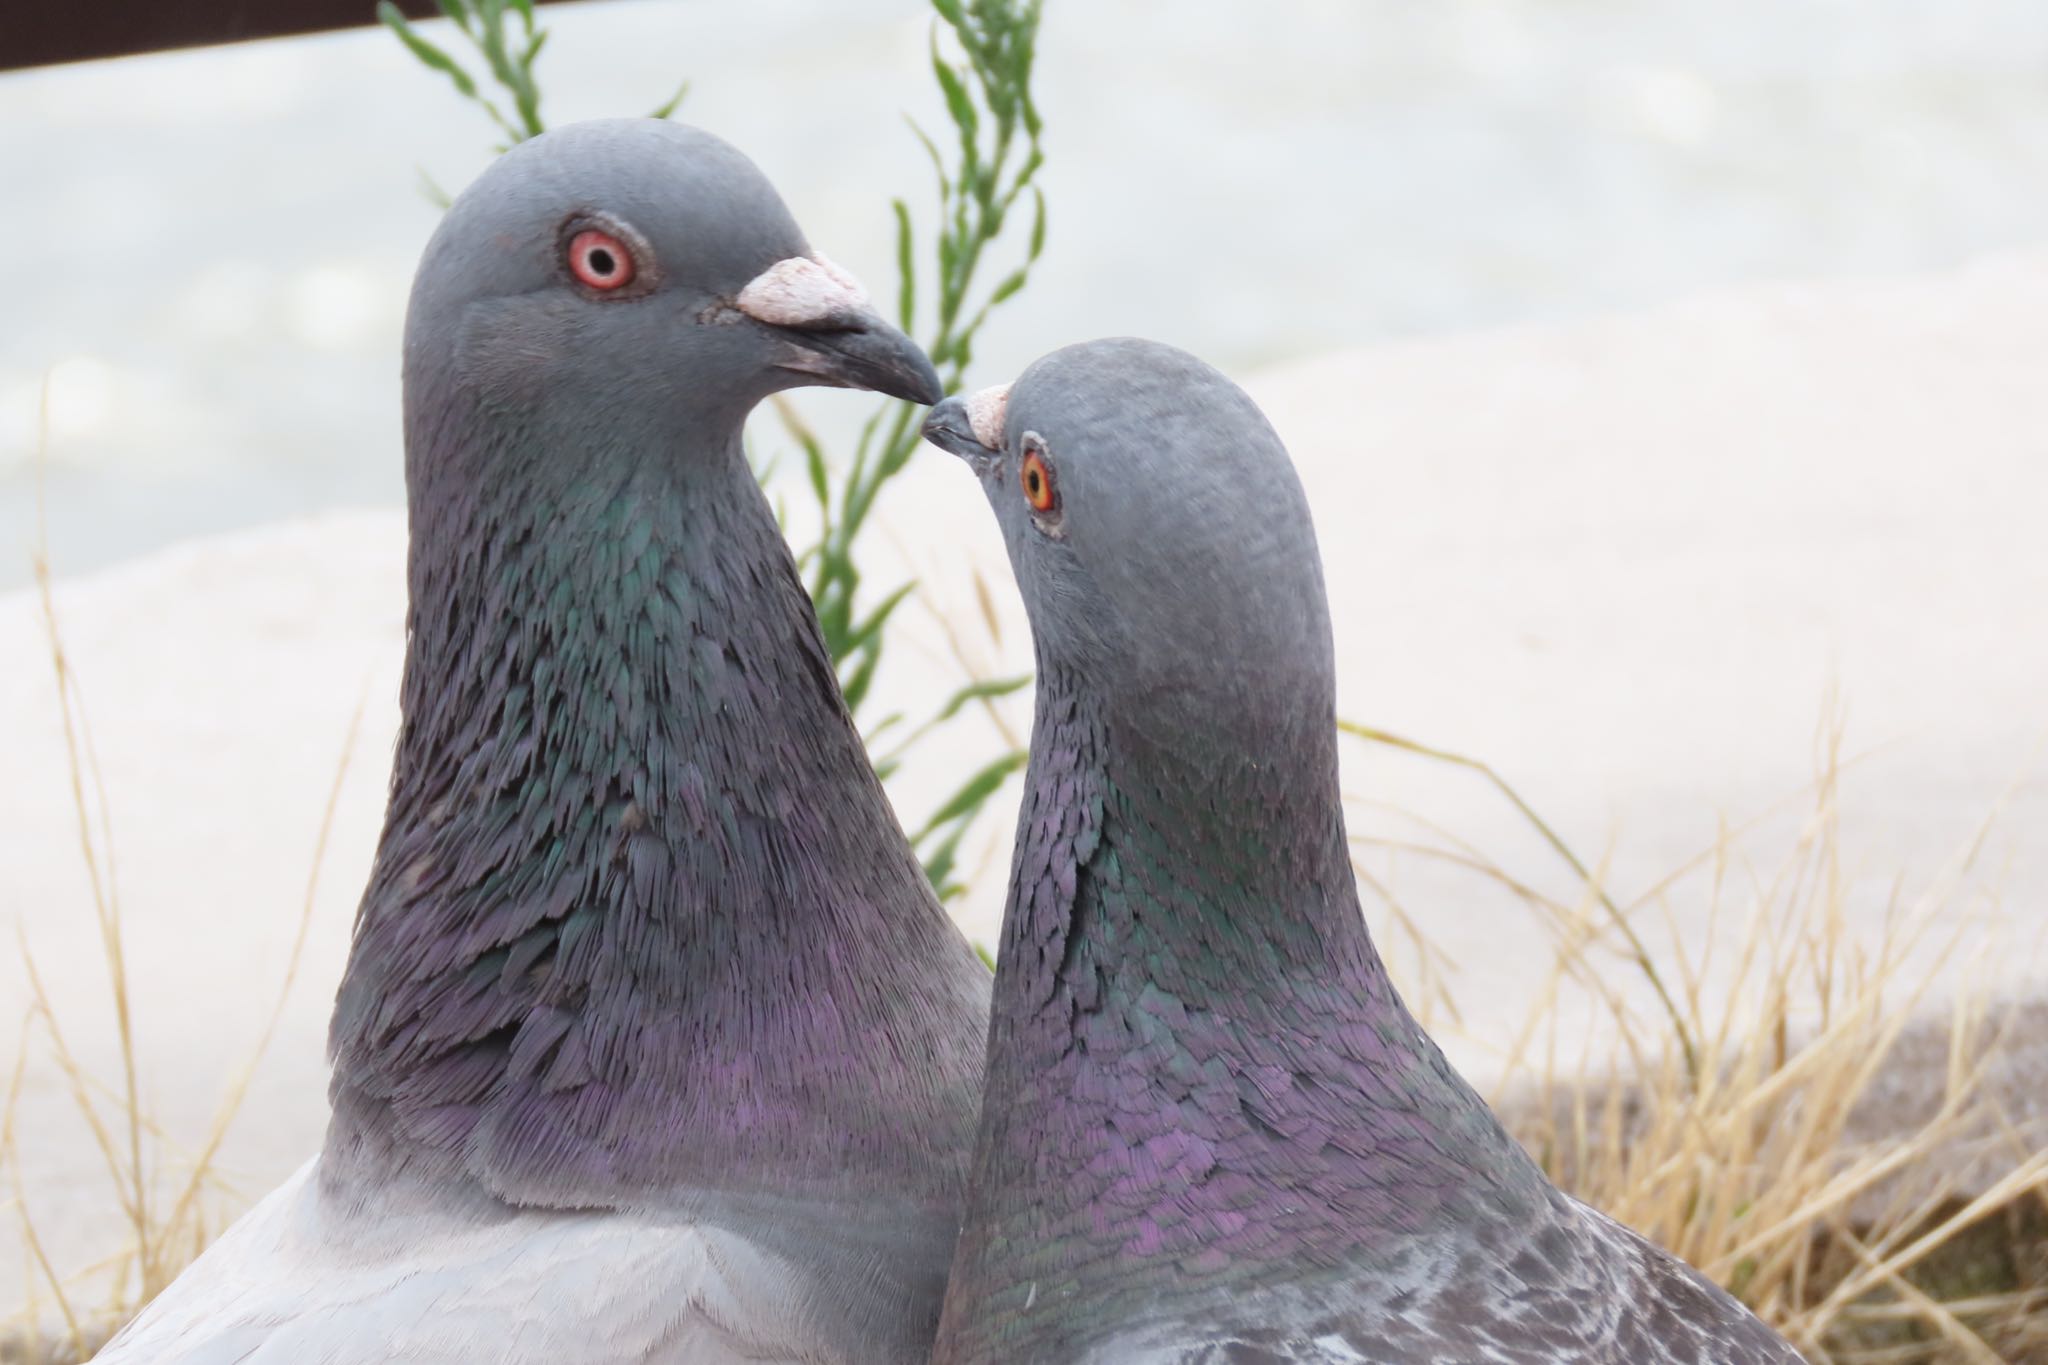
1212	1131
653	1043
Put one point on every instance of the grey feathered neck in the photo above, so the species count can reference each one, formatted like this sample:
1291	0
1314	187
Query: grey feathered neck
640	916
1201	1080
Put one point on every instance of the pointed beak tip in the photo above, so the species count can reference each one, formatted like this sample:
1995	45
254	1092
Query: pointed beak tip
864	352
929	390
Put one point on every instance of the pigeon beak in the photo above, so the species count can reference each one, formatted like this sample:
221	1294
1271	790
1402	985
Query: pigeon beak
864	353
833	335
970	426
947	427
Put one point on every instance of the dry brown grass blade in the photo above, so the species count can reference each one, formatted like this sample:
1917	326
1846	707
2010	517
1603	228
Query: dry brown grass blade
1972	1347
986	601
162	1242
231	1105
2030	1177
1563	850
970	667
1433	967
37	1255
168	1241
82	763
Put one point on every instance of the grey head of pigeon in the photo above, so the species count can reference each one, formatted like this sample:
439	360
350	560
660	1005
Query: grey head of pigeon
642	931
1147	505
617	282
1211	1128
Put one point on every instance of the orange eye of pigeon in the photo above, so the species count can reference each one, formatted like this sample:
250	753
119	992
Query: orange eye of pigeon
599	260
1036	477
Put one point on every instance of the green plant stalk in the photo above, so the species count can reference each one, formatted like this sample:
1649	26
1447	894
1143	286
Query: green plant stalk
988	100
508	39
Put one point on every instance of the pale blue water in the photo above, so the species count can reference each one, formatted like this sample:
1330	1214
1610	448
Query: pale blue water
213	248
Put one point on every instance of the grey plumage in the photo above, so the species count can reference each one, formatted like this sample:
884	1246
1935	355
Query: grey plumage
653	1043
1212	1131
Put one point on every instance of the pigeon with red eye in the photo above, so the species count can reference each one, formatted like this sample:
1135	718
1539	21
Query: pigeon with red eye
653	1042
1212	1132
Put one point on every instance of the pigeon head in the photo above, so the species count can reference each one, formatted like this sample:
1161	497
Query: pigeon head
1155	525
636	270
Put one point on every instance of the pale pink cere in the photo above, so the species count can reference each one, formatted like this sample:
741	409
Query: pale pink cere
802	290
986	409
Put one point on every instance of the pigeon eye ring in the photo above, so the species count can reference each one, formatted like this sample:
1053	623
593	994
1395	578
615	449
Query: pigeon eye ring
605	257
600	260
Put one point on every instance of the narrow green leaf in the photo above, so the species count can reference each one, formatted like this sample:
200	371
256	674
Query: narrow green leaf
668	109
435	194
938	869
1010	285
932	150
976	691
528	102
958	106
426	52
872	627
821	484
906	267
974	791
856	687
1032	161
836	611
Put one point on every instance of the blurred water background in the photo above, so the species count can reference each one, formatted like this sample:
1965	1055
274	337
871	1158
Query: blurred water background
207	253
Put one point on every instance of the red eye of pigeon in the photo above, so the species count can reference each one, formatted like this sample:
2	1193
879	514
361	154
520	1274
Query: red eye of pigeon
599	260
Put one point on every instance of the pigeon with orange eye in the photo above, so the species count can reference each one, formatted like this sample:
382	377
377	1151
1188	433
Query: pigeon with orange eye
1183	924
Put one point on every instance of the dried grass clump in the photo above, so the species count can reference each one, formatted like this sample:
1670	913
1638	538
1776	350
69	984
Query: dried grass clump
172	1196
1740	1114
